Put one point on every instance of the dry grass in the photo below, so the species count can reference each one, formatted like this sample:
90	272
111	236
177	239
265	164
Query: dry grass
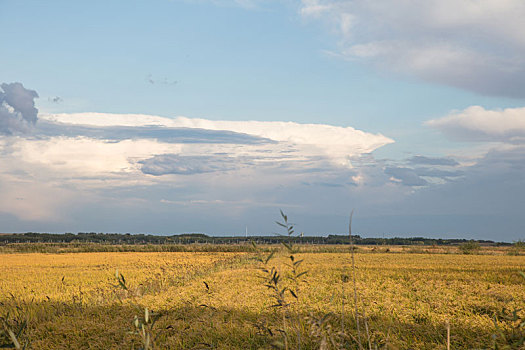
64	248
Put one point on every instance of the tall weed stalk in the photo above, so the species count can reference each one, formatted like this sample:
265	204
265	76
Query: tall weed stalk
284	285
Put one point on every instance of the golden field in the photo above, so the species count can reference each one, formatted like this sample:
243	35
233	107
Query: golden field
218	300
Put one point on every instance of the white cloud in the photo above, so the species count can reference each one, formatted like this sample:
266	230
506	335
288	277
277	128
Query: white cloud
331	142
84	157
479	124
314	8
476	45
92	158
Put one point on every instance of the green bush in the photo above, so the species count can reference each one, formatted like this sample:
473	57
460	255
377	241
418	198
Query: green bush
470	247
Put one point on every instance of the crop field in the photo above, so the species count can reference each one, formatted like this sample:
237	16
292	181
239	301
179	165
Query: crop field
262	300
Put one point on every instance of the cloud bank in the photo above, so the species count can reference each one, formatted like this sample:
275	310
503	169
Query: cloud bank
474	45
107	157
142	173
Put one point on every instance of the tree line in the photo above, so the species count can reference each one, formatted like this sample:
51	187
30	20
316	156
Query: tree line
196	238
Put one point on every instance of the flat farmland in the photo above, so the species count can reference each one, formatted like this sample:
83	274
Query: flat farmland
227	300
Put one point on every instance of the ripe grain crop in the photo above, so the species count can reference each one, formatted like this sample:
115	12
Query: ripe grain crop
217	300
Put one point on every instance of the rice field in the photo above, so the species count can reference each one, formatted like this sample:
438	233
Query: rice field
226	300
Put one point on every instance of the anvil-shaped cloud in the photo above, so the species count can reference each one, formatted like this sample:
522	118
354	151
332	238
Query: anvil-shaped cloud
74	158
329	137
198	140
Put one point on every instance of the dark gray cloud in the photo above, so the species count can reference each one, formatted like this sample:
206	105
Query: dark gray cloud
494	186
486	201
17	108
186	165
164	134
422	160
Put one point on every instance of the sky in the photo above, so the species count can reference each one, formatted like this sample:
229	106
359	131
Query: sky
174	116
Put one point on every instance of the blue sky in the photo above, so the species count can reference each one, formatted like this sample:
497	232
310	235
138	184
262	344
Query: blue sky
178	116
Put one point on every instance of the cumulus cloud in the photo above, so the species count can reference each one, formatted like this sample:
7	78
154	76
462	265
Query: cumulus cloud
478	124
477	46
17	108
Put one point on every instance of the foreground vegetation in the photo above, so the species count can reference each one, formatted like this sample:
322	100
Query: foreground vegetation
225	300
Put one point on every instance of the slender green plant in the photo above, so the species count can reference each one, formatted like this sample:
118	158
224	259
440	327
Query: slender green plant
13	324
352	254
143	324
284	290
13	333
144	327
